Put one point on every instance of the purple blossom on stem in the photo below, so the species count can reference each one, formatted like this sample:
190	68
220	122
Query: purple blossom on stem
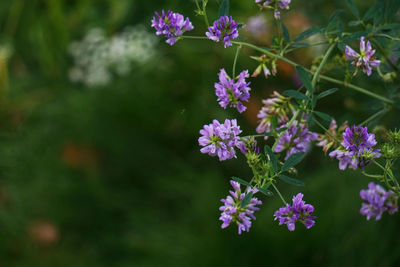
232	93
376	201
224	28
276	105
296	139
298	211
365	59
220	139
282	4
171	25
232	210
249	145
357	150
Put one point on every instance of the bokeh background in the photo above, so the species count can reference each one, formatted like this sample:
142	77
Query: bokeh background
100	164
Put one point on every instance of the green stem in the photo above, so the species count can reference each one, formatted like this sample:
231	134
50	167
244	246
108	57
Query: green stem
193	37
235	60
323	77
279	193
376	176
383	111
322	64
205	14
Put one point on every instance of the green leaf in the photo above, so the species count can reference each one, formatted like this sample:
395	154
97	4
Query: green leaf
224	8
392	26
371	12
282	129
353	8
296	95
310	119
327	92
341	46
290	180
272	158
323	116
265	191
333	20
354	23
240	181
305	79
246	200
307	33
300	44
314	102
293	160
355	36
285	33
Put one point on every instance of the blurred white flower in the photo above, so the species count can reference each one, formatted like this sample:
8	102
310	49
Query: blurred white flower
97	57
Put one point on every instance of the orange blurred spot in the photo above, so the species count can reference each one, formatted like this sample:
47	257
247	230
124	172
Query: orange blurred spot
44	233
253	107
285	69
80	156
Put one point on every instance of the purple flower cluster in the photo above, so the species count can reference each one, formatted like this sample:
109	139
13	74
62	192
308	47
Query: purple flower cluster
171	25
283	4
298	211
357	150
232	210
296	139
365	59
220	139
224	28
276	105
232	93
249	145
376	201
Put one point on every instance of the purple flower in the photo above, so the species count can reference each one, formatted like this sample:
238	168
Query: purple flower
249	145
357	148
232	210
365	59
276	105
299	211
295	139
282	4
231	93
171	24
224	28
345	158
220	139
376	201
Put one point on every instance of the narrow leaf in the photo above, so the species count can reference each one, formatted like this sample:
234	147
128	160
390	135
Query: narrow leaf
310	119
240	181
300	44
224	8
327	92
266	192
354	23
290	180
246	200
285	33
305	79
353	8
323	116
272	158
293	160
296	95
307	33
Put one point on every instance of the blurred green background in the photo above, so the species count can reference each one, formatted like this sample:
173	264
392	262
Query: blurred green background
112	175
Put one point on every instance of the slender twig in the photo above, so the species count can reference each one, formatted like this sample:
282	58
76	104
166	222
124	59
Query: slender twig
279	193
374	116
323	77
322	64
235	60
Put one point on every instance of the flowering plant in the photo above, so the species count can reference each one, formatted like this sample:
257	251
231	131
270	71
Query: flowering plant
285	118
